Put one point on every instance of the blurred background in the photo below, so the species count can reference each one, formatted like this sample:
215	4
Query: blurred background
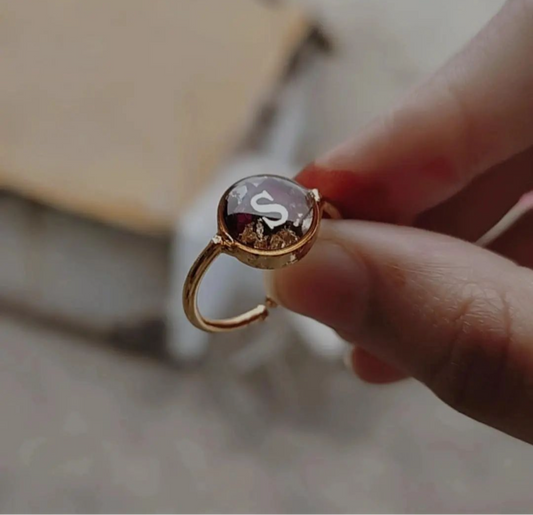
121	123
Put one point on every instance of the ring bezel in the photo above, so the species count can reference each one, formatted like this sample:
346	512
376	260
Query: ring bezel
268	259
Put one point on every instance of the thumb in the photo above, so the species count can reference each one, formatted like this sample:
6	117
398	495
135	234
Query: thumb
455	316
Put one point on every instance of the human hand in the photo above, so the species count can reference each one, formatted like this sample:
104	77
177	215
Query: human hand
413	291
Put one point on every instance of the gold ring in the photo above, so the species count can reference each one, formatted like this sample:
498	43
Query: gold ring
266	222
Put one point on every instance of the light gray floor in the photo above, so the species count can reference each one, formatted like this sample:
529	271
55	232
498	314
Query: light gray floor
88	430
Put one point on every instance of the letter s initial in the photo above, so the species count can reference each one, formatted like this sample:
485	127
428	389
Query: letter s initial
270	208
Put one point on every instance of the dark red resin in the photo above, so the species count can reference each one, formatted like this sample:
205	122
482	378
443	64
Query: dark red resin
268	212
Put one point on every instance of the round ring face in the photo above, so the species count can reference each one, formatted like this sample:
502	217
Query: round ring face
268	213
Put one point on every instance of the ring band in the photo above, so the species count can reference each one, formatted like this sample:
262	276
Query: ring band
266	222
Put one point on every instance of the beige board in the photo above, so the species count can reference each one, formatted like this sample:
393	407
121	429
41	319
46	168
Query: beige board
121	110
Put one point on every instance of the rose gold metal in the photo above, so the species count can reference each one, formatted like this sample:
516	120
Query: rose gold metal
263	259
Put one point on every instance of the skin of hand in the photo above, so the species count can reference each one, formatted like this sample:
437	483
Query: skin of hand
401	276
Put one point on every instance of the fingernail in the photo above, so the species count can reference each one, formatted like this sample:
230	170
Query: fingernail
329	285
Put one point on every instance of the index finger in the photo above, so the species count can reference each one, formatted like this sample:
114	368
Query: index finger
476	112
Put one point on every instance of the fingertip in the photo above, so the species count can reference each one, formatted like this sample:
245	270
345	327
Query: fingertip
329	285
355	195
